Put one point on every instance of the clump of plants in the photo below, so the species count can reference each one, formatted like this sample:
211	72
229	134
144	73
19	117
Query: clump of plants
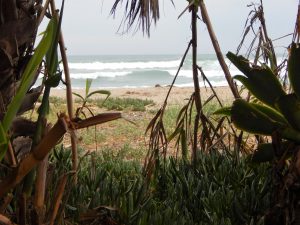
132	104
220	190
274	113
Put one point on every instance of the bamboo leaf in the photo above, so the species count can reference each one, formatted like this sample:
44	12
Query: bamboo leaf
27	78
88	83
28	75
78	95
102	92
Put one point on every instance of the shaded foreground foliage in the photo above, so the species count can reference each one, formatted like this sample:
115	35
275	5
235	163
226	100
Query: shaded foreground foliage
222	189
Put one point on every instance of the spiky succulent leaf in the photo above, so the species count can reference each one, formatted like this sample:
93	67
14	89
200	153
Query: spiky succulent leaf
294	68
289	105
248	118
260	81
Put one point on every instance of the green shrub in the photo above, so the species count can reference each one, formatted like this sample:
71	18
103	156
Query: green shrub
133	104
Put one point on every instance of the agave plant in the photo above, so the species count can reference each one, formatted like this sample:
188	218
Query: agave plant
274	113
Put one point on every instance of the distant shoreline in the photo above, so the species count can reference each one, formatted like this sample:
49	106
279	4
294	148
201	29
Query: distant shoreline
157	94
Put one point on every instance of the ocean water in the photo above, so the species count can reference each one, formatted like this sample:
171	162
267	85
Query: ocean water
132	71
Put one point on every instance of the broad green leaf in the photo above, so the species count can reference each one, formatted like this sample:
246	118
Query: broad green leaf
260	81
225	111
3	142
102	92
294	68
248	118
289	105
28	75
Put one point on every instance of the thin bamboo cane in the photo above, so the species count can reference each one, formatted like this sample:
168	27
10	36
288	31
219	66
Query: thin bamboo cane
58	197
69	96
196	82
217	48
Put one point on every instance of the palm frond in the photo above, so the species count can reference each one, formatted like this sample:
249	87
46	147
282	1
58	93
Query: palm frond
143	12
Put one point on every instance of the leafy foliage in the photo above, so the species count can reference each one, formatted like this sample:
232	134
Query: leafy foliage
220	190
133	104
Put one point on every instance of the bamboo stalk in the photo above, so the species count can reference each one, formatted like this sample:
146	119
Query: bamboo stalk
58	197
217	48
43	12
11	155
40	189
196	82
69	96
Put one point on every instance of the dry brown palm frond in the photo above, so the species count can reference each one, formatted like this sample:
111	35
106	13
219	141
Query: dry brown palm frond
141	11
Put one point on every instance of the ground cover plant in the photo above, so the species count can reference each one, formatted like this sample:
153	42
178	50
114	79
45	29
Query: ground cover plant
222	189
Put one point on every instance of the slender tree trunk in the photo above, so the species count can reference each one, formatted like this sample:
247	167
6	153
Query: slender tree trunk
68	93
217	48
196	81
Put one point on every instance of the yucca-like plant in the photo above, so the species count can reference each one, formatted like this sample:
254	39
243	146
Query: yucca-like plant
275	113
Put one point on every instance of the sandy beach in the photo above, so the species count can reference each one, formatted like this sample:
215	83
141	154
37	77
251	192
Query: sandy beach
158	94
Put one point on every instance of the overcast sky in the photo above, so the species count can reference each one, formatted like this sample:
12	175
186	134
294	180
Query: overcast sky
89	30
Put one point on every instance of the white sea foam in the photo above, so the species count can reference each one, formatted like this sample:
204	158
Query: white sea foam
208	73
202	84
98	74
124	65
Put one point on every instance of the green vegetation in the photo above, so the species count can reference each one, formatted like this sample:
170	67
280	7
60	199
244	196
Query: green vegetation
106	176
222	189
131	104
